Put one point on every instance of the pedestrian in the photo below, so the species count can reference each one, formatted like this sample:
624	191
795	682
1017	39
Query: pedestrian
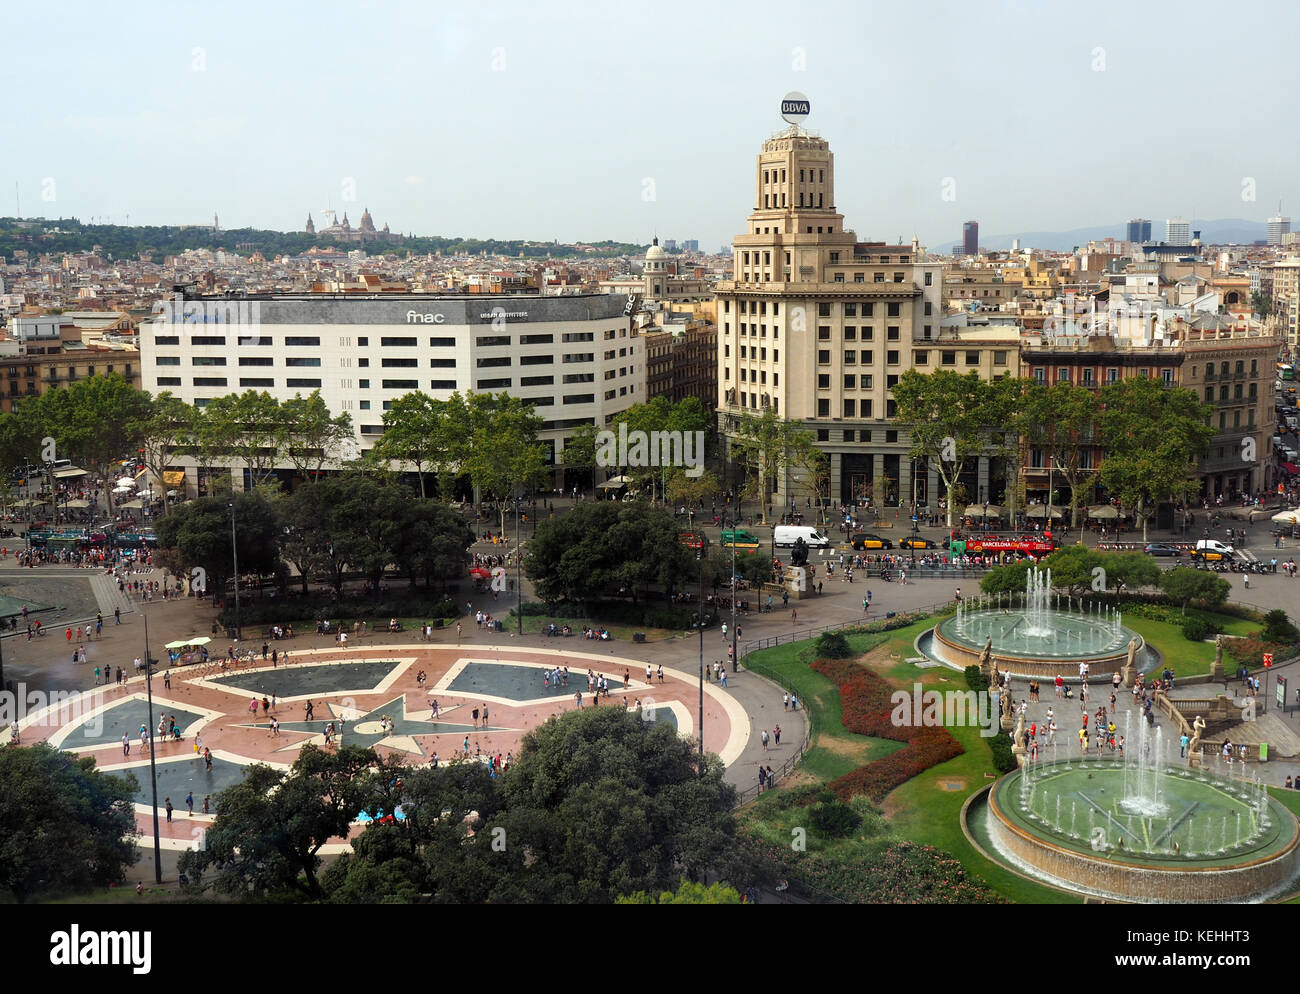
117	615
207	759
661	672
189	802
785	702
764	739
167	679
126	745
207	800
1182	745
776	734
168	802
794	616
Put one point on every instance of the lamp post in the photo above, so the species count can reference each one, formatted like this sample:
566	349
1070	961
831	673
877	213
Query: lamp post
234	552
519	580
700	625
735	649
153	766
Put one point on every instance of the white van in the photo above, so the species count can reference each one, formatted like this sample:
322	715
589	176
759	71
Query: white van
784	536
1210	545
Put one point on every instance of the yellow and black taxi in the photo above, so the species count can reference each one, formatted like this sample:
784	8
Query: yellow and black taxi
862	541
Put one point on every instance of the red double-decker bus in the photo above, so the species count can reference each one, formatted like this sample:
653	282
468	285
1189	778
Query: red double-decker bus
1024	545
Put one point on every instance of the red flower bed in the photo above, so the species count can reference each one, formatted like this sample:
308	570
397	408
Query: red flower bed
865	709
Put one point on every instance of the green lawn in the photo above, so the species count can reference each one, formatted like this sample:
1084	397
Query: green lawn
1189	659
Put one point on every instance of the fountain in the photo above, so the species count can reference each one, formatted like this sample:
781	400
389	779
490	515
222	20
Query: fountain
1047	634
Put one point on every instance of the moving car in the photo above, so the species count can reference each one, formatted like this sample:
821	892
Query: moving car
787	535
1162	549
917	542
863	540
740	538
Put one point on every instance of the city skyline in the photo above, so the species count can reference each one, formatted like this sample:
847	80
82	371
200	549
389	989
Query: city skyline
263	127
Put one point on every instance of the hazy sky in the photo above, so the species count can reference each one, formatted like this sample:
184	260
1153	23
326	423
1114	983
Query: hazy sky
614	120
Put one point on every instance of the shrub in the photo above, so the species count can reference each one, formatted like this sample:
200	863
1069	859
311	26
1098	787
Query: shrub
1278	627
834	819
832	645
1195	629
975	678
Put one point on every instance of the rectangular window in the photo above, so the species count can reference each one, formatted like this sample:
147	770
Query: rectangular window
579	378
386	363
580	398
256	360
823	357
442	363
494	384
387	341
921	358
948	358
1089	379
489	341
310	340
208	340
313	361
823	408
891	333
823	381
442	384
999	358
395	384
169	381
441	343
167	339
850	408
850	333
167	360
536	381
894	310
488	363
891	357
315	384
584	356
972	358
851	357
536	360
543	339
823	309
929	279
209	381
850	381
363	405
256	381
363	363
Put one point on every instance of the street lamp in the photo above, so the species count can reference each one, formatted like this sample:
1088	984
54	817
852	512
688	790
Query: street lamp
234	551
700	625
153	766
735	649
519	580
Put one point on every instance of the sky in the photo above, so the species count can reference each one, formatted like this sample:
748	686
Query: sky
583	121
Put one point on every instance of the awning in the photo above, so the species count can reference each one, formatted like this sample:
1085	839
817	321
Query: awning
1287	518
1103	512
69	472
173	477
131	505
77	504
983	510
1040	511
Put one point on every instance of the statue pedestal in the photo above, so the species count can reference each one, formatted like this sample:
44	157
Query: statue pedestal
1193	759
1216	671
1128	677
796	581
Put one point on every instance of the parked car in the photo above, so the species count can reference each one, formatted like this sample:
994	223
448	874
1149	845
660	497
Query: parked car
863	541
1162	549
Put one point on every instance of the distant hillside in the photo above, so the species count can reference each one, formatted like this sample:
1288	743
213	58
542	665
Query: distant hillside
1223	231
38	236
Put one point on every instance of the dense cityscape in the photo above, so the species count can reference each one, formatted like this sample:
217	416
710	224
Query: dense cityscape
937	570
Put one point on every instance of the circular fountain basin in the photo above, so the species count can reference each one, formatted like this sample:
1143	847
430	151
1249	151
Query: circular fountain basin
1050	646
1079	825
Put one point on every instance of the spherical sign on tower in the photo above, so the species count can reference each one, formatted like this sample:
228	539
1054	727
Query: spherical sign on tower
794	108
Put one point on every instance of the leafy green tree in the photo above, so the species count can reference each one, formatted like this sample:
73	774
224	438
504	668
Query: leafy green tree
1060	420
687	893
952	420
310	436
1183	585
96	422
249	427
66	826
602	548
1132	569
164	432
200	534
497	444
1152	436
270	827
415	434
769	445
1006	579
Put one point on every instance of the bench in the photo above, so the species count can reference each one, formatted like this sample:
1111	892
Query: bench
638	636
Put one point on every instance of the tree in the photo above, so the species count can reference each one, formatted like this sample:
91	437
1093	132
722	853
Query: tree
604	803
415	434
249	426
1060	420
605	548
768	445
270	827
691	490
1183	585
687	893
497	444
66	826
96	422
200	534
1152	436
310	436
1006	579
1130	569
952	419
168	426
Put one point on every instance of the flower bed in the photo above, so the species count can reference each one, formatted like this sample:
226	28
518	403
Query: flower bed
866	708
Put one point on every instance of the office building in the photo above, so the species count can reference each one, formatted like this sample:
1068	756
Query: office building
970	238
1139	230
